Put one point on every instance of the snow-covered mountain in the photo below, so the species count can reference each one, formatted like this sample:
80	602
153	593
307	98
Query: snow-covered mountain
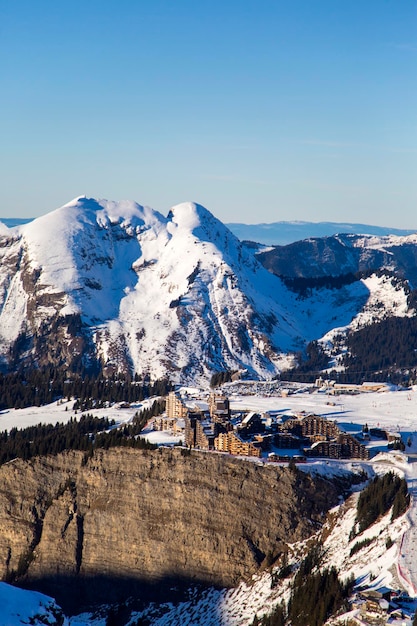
341	254
119	286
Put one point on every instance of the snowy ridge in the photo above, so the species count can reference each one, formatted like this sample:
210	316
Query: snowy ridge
383	242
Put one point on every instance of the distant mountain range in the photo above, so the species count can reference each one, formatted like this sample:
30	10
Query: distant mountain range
115	286
283	233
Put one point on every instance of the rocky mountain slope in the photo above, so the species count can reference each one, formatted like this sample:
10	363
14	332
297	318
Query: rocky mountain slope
112	286
85	530
343	254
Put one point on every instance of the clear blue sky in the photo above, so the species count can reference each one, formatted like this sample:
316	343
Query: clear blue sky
261	111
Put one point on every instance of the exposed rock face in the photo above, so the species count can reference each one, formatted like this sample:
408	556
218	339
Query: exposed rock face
148	516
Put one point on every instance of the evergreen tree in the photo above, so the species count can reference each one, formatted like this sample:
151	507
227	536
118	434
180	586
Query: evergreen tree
378	497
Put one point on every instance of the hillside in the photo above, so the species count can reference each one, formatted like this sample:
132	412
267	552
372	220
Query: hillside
378	558
374	566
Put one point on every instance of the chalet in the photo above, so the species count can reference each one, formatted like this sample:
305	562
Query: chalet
393	437
352	448
313	427
372	386
204	435
200	432
374	610
252	422
292	426
326	449
379	433
335	388
264	440
221	442
190	429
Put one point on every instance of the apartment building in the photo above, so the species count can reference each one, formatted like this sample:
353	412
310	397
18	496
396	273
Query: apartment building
219	407
175	407
233	443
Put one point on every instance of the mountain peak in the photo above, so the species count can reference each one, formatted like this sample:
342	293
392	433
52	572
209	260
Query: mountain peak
82	202
190	215
76	200
193	218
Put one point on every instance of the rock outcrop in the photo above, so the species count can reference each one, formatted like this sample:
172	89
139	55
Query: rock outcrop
73	525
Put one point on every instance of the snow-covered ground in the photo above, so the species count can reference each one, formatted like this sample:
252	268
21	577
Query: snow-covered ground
62	412
19	607
392	410
395	411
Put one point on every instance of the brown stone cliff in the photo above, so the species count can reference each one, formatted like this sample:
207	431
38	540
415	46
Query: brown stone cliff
150	515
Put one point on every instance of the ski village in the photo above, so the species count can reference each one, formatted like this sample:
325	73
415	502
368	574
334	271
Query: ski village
323	429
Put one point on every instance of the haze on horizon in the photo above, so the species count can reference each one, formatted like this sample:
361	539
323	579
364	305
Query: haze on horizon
261	112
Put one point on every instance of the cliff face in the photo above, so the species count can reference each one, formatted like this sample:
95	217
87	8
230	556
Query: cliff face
148	516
